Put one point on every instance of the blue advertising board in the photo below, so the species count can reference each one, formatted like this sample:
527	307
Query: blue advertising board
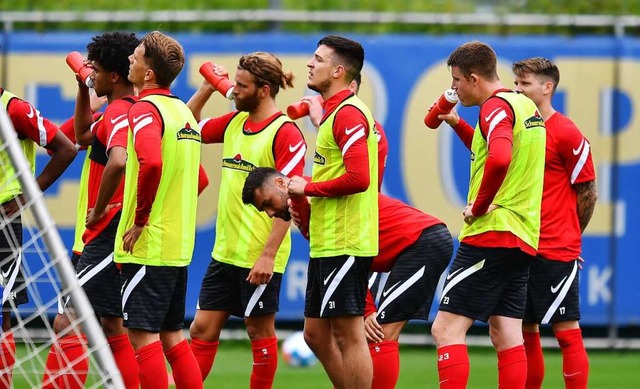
427	168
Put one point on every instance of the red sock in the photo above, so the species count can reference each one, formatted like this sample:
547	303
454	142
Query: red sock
453	366
512	368
205	353
386	364
575	363
184	366
125	359
153	371
265	362
535	360
67	363
7	359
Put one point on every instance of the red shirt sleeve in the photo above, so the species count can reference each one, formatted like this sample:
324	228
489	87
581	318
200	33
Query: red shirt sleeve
212	129
289	150
301	205
146	124
203	180
496	125
116	124
29	123
465	132
575	153
350	130
383	152
369	304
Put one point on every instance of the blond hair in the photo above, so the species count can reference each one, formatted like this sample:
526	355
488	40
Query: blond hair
164	55
266	69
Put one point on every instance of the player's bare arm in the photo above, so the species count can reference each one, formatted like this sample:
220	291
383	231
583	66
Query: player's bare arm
587	198
83	116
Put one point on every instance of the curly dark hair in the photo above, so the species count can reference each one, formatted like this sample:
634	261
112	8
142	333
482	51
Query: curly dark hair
256	179
112	51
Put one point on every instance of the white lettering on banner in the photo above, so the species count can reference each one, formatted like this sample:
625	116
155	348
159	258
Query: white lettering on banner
598	287
296	279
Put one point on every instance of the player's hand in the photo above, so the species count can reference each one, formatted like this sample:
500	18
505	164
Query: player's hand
130	238
296	186
96	102
580	262
262	270
373	329
94	216
221	71
315	109
452	118
468	216
13	206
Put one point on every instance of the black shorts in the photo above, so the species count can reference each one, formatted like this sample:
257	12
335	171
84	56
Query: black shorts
553	294
98	274
487	281
336	286
407	292
225	288
153	297
14	288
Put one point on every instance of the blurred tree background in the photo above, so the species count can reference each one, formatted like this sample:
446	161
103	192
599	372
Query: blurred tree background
500	8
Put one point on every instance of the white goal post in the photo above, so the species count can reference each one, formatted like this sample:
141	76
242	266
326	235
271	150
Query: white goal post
49	274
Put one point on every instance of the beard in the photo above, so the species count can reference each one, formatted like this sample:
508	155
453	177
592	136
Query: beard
248	104
321	87
285	215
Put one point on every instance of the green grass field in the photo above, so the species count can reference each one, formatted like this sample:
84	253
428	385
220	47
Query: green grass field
609	369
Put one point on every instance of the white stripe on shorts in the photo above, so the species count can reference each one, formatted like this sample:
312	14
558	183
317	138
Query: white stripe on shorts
10	277
461	277
336	281
406	285
132	284
563	293
254	299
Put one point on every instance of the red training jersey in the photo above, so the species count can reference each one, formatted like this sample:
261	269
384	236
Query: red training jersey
568	162
355	154
108	132
29	123
289	146
496	125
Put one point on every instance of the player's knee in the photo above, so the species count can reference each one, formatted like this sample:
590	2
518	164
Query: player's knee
202	331
112	326
60	322
312	339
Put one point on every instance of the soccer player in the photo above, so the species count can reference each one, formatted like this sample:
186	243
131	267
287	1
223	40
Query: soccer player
568	200
316	111
250	251
344	207
488	278
414	247
108	56
155	237
31	129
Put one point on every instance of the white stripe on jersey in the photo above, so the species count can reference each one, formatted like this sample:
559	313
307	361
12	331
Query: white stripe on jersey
494	122
581	161
359	134
203	122
42	131
138	127
295	160
121	124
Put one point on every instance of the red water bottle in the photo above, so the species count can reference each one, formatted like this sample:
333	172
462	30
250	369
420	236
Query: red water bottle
222	84
300	109
75	61
443	105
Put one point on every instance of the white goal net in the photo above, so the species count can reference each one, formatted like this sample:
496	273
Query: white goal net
47	274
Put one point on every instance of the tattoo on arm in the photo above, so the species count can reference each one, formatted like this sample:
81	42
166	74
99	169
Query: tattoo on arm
587	197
